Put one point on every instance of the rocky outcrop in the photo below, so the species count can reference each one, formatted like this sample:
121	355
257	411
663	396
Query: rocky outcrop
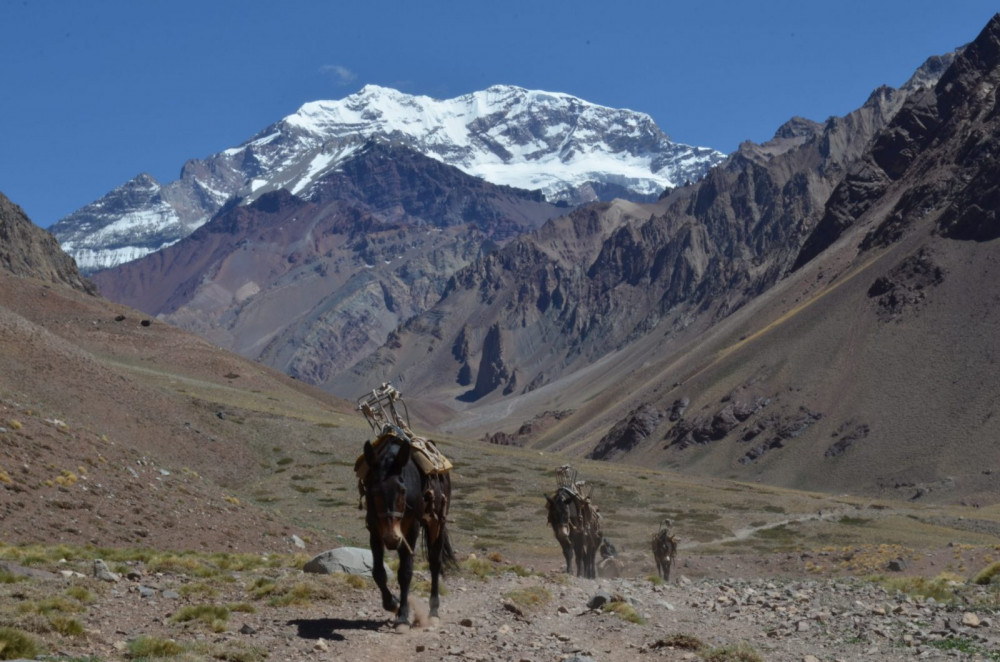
905	286
28	250
780	431
528	430
493	371
628	433
847	435
706	429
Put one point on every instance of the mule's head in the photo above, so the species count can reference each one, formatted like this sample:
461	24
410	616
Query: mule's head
558	516
385	492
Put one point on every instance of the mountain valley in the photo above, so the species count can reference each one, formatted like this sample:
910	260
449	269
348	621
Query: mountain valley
790	356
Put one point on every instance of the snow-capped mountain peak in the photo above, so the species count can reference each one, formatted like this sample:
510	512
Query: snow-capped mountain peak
568	148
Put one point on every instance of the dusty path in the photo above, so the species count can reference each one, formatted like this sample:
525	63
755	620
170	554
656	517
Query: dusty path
516	617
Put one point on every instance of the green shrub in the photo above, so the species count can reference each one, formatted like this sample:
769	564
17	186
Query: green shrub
986	575
624	611
146	647
15	644
213	616
940	588
530	597
67	627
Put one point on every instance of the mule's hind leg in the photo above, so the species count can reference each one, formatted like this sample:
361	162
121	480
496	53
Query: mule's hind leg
436	556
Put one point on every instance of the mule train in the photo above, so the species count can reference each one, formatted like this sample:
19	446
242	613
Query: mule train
406	486
576	523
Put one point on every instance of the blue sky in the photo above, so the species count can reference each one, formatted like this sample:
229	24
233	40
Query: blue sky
97	92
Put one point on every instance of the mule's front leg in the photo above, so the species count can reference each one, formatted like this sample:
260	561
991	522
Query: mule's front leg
389	601
567	549
405	575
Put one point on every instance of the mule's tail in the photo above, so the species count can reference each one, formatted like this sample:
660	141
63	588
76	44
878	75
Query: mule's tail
448	558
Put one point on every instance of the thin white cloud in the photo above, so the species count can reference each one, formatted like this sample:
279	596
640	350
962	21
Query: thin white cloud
341	75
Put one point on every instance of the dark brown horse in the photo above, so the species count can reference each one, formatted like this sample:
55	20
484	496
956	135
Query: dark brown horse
576	525
401	500
664	551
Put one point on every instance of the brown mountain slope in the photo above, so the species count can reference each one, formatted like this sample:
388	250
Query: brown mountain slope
114	432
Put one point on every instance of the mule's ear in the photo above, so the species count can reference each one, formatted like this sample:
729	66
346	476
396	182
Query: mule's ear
402	457
370	457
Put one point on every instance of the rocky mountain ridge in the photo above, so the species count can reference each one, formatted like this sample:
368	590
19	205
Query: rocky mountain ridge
571	150
558	304
310	286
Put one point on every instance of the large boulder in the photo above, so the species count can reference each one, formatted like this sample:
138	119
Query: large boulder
348	560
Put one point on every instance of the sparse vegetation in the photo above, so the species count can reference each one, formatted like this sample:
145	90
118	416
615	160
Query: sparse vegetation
967	646
151	647
624	611
733	653
530	597
15	644
685	642
212	616
987	575
68	627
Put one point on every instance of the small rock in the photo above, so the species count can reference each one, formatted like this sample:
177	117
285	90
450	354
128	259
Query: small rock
247	629
103	572
970	620
298	542
321	645
810	658
466	623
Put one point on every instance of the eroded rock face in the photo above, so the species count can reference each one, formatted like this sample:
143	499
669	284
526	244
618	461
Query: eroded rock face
847	435
780	431
706	429
628	432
